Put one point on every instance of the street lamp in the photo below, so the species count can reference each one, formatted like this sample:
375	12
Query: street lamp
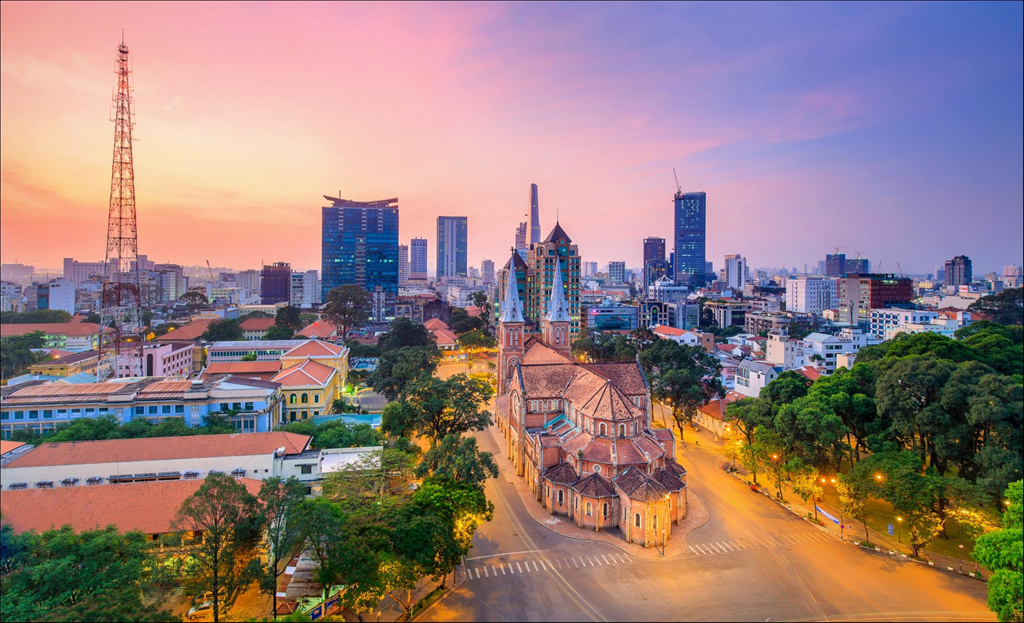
878	477
899	524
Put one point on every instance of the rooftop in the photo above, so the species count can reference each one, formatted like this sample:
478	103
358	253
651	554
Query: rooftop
70	329
160	449
192	331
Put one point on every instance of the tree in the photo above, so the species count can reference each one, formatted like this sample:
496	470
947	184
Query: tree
451	406
685	376
479	299
404	333
279	500
219	527
769	448
335	434
249	357
477	339
16	352
1006	307
194	300
347	307
279	332
805	481
810	430
288	317
40	316
63	575
458	459
224	331
321	522
1000	553
399	418
853	494
397	368
908	394
850	393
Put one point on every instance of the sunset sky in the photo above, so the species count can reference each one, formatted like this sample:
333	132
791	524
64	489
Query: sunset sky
890	129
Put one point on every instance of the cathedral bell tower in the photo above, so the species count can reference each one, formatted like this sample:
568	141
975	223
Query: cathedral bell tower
510	333
557	322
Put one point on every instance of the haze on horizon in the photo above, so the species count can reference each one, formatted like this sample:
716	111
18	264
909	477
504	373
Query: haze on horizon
893	130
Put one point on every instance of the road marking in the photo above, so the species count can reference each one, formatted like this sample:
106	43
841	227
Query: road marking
592	561
534	566
542	565
598	560
486	573
625	559
520	568
701	548
525	551
502	569
724	548
478	574
731	548
606	560
559	563
694	551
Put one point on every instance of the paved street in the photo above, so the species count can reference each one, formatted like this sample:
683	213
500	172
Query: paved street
752	561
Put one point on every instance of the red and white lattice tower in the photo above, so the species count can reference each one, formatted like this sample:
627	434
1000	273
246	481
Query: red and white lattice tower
121	349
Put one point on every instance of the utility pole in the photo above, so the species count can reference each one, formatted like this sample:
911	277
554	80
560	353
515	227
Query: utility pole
120	354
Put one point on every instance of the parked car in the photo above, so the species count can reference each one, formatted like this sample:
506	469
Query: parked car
754	487
200	611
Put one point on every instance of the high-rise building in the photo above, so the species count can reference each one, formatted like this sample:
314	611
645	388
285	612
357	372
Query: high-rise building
276	283
859	294
858	266
305	289
360	247
535	276
1012	270
589	269
171	283
690	211
76	272
451	246
617	272
735	271
521	237
403	264
534	215
958	271
811	295
654	251
418	259
835	264
487	268
249	280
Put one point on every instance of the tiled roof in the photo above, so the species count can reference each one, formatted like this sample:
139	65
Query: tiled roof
319	329
313	348
6	446
445	337
580	441
259	369
257	324
667	479
434	323
542	381
251	382
538	352
69	359
307	373
662	329
610	403
557	233
809	372
160	448
648	445
595	486
70	329
663	434
639	486
599	449
628	453
149	507
625	375
473	311
192	331
561	474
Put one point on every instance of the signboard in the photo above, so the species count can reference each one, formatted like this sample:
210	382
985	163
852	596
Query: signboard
826	514
330	605
316	613
890	529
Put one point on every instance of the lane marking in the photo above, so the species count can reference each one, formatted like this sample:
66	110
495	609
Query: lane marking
542	566
575	563
486	574
520	568
535	566
525	551
606	560
478	574
694	551
502	569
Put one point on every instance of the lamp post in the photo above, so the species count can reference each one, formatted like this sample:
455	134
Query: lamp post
899	532
736	450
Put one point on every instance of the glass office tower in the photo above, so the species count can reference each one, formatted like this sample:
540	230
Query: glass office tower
690	236
451	246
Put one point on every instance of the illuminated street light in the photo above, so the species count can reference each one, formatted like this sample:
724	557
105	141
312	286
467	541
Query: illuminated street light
878	477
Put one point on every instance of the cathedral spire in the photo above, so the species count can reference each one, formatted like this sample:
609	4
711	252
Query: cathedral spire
511	306
558	308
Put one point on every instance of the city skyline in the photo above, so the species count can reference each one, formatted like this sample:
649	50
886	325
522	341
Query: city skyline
811	133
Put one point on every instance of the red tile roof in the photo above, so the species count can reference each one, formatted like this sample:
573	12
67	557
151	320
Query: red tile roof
445	337
434	324
6	446
149	507
253	369
320	329
473	311
809	372
306	374
257	324
190	332
70	329
160	448
314	348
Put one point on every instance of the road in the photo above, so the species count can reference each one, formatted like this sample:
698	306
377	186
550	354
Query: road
752	561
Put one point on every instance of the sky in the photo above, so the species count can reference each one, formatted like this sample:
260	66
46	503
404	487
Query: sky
893	130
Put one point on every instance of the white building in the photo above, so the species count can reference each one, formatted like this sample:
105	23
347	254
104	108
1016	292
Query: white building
882	320
811	295
735	271
57	294
783	351
76	272
752	376
10	297
250	281
403	264
617	272
824	348
305	289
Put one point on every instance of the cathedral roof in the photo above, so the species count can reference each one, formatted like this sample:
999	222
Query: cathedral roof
561	474
595	486
537	352
558	234
511	307
610	403
516	261
558	308
639	486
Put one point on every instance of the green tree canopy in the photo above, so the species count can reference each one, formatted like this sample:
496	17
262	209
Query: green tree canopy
35	317
288	317
347	307
224	331
458	458
279	332
1001	553
400	367
451	406
1006	307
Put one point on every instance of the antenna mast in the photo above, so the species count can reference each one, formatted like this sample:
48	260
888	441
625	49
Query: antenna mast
120	351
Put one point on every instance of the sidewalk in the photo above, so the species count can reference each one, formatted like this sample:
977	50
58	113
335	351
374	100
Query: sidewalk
697	516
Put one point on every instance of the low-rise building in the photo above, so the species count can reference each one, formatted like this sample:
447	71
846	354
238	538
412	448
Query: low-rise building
169	359
753	376
71	336
893	318
712	417
251	405
261	370
256	328
262	350
65	365
311	378
728	312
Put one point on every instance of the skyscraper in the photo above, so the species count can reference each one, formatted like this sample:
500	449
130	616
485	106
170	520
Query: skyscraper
418	259
835	264
858	266
403	264
654	251
487	268
735	271
534	215
276	283
521	237
360	247
958	271
690	238
451	246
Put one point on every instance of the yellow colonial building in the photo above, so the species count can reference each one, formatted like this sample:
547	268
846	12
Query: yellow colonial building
312	376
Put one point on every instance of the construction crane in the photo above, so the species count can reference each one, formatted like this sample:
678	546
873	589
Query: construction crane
679	189
213	280
837	249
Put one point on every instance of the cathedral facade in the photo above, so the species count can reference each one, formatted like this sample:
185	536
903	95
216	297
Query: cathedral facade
580	434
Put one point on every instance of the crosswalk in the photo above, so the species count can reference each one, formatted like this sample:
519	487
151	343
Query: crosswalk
713	548
482	570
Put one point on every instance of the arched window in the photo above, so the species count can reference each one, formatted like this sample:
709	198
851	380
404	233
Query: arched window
291	399
561	497
622	430
654	522
604	510
590	509
636	520
304	399
601	430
